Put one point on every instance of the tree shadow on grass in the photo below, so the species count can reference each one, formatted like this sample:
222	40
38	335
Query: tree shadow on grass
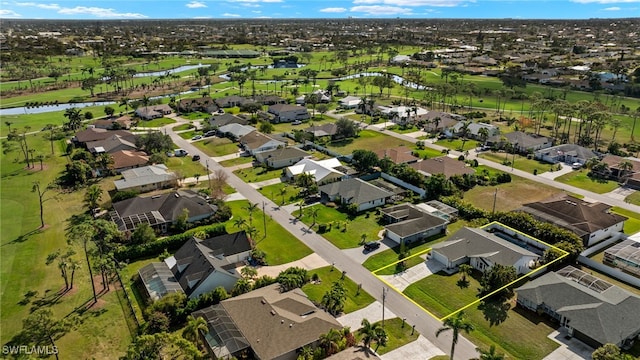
463	283
495	311
24	237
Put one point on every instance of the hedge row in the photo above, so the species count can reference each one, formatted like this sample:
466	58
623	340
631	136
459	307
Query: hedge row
170	243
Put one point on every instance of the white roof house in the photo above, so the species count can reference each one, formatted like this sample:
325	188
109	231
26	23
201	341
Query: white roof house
146	178
350	102
323	171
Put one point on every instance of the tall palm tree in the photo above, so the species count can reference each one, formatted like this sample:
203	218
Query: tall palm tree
625	166
92	196
465	269
314	213
464	132
455	324
239	222
490	354
330	341
368	332
251	208
195	326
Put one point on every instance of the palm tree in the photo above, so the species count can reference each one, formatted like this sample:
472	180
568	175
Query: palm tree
464	132
465	269
455	324
92	196
239	222
490	354
483	133
314	214
8	123
195	327
283	191
73	114
124	102
368	332
624	166
251	208
330	342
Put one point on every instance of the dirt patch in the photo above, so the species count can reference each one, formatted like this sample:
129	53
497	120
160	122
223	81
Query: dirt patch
37	168
510	196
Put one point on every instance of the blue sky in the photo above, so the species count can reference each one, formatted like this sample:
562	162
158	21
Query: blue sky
277	9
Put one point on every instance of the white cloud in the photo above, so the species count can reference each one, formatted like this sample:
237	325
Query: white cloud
196	4
333	10
613	8
604	1
7	14
250	5
381	10
257	1
439	3
99	12
41	6
230	15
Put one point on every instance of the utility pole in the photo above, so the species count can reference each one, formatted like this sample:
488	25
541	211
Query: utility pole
495	196
208	174
384	296
264	219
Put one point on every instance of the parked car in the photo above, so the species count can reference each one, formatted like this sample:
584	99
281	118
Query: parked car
180	152
371	245
297	122
197	137
195	157
209	133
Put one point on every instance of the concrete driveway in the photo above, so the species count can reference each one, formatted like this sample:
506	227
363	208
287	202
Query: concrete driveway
402	280
419	349
570	349
554	174
360	255
373	313
308	262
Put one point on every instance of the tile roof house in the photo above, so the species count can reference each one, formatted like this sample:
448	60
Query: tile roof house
438	120
256	142
323	171
474	128
442	165
267	323
482	250
111	144
235	131
592	222
350	102
230	101
615	169
590	309
355	191
521	141
318	131
399	155
153	111
128	159
95	134
226	119
146	178
123	122
160	211
198	267
279	158
566	153
288	113
202	104
408	222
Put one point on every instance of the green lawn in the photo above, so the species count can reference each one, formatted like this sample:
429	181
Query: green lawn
195	116
155	122
355	227
236	161
580	180
521	162
397	335
186	167
632	225
328	275
182	127
280	245
518	333
257	174
216	146
427	153
187	134
368	140
291	195
456	144
633	198
509	196
403	129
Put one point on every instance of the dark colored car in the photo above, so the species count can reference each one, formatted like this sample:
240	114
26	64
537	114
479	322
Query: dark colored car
195	157
371	245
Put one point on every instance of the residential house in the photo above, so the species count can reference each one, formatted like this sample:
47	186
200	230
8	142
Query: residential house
404	114
146	178
474	130
226	119
288	113
203	104
323	171
521	141
91	134
592	222
618	171
111	144
128	159
323	97
587	307
319	131
160	211
270	100
482	250
198	267
354	191
153	111
230	101
123	122
279	158
257	142
235	131
565	153
266	323
439	121
625	255
350	102
399	155
442	165
408	222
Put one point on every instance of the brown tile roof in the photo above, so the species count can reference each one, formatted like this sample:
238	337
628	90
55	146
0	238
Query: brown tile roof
614	160
399	155
127	158
93	134
442	165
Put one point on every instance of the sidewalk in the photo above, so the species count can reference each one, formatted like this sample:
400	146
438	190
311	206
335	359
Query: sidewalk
226	157
258	185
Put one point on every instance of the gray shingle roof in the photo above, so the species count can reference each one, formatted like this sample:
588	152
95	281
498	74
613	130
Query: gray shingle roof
152	174
354	191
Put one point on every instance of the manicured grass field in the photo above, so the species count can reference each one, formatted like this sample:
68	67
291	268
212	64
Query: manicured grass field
580	180
427	153
456	144
632	225
257	174
518	333
397	335
356	300
633	198
217	146
291	195
186	167
280	245
236	161
155	122
403	130
345	232
368	140
187	134
521	162
182	127
509	196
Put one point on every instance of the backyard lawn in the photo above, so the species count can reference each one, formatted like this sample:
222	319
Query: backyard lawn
520	334
257	174
217	146
155	122
186	167
580	180
328	275
509	196
291	194
344	231
368	140
632	225
280	245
